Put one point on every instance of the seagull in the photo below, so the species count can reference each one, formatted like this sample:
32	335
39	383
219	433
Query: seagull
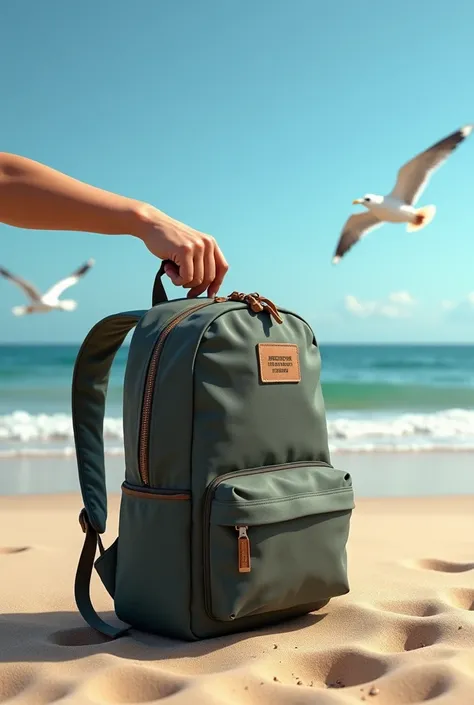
398	205
50	300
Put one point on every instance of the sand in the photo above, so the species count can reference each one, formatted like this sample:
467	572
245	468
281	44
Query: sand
403	635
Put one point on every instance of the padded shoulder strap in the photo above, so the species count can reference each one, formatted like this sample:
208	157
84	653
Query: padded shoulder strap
89	388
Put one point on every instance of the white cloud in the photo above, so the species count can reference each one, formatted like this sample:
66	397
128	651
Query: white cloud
358	308
398	305
458	311
466	303
402	297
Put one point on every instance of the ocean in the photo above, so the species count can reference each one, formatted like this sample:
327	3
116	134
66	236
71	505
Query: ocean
378	398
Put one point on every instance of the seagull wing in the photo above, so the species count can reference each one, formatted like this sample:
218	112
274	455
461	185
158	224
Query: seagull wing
413	177
355	228
31	291
52	295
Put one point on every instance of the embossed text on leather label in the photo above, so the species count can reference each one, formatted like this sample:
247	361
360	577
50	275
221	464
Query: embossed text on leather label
279	362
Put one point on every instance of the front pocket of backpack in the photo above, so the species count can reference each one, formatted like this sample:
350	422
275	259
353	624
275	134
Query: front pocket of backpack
275	539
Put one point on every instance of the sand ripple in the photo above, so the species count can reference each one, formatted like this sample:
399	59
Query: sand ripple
403	636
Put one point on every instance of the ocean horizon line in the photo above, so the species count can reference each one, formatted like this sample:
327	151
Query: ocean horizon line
406	343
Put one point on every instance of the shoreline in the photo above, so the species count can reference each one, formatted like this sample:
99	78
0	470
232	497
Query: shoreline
375	474
70	453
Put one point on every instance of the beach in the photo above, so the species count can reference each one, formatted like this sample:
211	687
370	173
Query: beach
404	634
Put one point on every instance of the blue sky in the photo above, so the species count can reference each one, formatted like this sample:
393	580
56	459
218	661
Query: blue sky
258	122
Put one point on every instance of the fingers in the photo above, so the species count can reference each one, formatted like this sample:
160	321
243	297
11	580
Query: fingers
207	266
221	269
172	271
183	271
199	265
199	269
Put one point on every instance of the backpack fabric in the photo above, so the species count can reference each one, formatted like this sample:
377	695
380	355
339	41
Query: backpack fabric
231	516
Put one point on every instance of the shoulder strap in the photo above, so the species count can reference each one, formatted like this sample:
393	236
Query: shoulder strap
89	389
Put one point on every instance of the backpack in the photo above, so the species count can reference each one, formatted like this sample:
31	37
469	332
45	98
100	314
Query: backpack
231	514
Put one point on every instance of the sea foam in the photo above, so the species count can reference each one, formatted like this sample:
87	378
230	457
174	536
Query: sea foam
25	434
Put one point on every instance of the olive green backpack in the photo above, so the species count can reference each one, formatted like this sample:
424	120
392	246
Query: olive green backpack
232	516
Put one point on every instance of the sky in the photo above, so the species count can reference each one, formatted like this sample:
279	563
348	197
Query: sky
259	123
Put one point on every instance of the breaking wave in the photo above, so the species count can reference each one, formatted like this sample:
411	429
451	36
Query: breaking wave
27	435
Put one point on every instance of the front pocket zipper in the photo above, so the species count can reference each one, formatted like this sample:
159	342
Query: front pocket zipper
244	549
294	510
152	371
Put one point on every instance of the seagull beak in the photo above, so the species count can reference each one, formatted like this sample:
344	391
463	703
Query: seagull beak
356	201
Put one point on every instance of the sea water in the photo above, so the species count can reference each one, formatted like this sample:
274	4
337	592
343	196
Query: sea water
378	398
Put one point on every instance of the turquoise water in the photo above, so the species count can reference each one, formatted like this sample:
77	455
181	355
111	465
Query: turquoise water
378	397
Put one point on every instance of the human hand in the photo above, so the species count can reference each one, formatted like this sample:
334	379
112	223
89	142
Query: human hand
199	264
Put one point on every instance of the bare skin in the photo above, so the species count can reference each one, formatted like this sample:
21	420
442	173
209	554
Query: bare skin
33	195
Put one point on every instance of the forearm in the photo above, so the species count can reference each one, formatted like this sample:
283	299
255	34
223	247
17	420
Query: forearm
36	196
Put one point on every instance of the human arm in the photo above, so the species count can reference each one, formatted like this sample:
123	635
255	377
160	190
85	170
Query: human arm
35	196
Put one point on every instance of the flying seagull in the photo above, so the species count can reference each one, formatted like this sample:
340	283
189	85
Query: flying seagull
398	205
50	300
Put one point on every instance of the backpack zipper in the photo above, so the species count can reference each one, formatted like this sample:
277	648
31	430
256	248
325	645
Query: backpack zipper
149	388
244	549
256	302
243	539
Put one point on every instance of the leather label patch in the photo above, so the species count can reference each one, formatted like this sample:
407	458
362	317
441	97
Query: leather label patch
279	362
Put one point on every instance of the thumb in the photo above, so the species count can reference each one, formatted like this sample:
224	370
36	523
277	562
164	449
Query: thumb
172	271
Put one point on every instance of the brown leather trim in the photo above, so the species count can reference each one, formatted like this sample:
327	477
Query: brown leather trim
279	362
155	495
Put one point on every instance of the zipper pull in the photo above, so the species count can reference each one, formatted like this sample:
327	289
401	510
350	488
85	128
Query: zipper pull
244	549
254	303
270	306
